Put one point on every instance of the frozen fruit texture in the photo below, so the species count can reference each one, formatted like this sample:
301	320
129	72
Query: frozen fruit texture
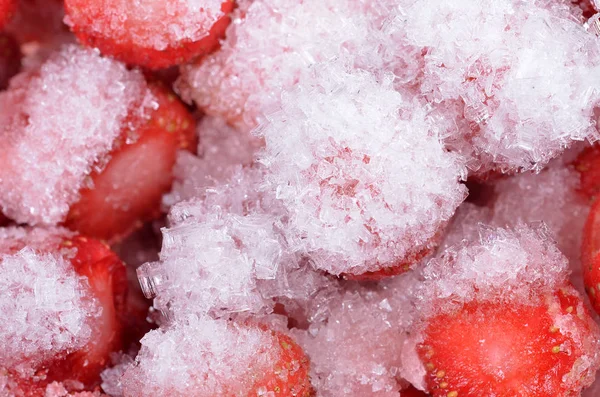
153	34
216	249
507	274
342	154
355	338
222	151
214	357
48	309
10	59
60	121
128	190
515	82
590	257
588	166
268	47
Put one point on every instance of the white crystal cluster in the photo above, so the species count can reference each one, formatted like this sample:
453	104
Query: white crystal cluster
46	306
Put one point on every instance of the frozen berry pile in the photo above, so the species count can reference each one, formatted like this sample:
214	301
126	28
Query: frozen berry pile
314	198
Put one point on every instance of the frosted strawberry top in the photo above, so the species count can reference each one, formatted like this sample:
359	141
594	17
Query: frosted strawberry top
202	357
523	76
342	155
59	122
46	305
158	24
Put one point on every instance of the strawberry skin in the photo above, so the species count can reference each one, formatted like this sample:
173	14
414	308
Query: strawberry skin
589	256
128	191
588	166
297	383
504	350
129	52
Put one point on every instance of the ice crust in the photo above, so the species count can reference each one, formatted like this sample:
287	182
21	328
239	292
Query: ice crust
516	82
59	122
157	24
202	357
46	305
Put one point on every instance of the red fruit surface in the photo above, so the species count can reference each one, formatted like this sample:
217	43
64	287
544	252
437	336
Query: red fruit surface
10	58
93	23
588	166
589	256
128	190
7	10
496	349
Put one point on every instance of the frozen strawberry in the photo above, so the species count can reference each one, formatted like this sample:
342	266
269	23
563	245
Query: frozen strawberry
588	166
72	290
7	9
10	59
128	190
589	256
153	34
496	349
204	357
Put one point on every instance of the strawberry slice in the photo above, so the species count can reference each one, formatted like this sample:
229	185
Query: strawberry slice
10	58
107	279
7	10
156	35
506	350
588	166
129	189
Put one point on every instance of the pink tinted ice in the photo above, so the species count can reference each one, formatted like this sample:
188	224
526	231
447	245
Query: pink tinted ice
200	357
365	182
516	82
355	340
59	122
156	24
46	306
222	151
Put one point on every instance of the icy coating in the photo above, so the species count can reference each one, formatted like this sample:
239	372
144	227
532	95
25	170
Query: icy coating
58	122
222	151
516	82
342	155
201	357
45	304
355	340
268	47
158	24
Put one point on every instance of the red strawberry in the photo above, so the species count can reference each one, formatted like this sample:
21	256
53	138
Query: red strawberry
297	381
129	189
507	350
588	165
107	278
589	256
7	10
127	33
10	58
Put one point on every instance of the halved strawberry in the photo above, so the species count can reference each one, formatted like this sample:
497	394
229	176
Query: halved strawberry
156	35
107	279
506	350
128	190
588	166
7	10
10	58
